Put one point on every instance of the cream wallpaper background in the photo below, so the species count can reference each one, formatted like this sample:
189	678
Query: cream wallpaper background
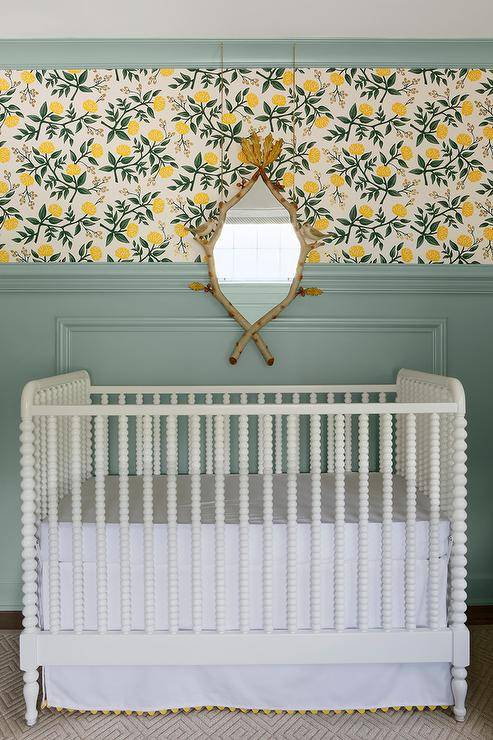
116	165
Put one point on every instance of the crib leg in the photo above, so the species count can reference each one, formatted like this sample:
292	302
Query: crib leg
31	690
459	690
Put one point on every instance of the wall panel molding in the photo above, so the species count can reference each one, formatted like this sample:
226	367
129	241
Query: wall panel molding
328	52
160	278
67	328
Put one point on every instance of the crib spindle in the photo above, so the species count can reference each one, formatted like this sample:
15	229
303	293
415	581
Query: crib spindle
54	566
123	499
227	436
386	469
209	439
139	399
219	465
363	465
29	554
268	523
77	567
292	468
434	494
156	434
104	402
278	437
316	553
348	435
260	432
330	436
44	460
194	467
244	523
339	540
101	567
410	567
148	516
172	470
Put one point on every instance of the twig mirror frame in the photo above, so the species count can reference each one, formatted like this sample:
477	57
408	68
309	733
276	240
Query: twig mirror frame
207	235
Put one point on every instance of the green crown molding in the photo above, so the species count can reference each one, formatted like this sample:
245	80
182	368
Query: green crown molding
152	53
159	278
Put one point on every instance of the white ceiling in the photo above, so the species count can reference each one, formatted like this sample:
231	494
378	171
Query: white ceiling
247	19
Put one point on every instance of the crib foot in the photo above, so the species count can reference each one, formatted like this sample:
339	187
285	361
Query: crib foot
31	690
459	690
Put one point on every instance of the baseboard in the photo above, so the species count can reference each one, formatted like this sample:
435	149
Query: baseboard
476	614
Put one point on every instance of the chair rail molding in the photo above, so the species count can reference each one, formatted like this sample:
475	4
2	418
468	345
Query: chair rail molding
322	52
67	328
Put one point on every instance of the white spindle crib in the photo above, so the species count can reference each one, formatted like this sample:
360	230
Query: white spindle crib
250	500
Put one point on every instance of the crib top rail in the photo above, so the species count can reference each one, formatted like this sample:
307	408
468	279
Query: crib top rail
235	389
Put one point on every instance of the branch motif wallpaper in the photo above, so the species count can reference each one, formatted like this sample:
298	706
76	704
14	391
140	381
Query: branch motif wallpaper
393	165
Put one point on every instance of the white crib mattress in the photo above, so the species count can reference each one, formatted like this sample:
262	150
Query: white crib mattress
232	549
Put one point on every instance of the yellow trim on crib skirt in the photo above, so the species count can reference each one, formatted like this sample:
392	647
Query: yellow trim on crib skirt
186	710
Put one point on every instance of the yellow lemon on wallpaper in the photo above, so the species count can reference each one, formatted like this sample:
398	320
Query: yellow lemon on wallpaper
4	84
26	179
45	250
399	109
384	171
322	121
464	140
4	154
313	256
155	135
132	230
278	100
155	237
97	150
124	150
165	171
467	108
201	199
55	210
321	223
133	127
465	241
4	187
314	155
488	233
357	148
366	211
56	107
11	121
4	256
357	251
442	233
288	77
433	255
46	147
488	132
229	119
211	158
96	253
366	110
310	187
122	253
202	96
407	254
311	86
88	208
74	71
252	99
337	79
182	128
167	72
337	180
288	179
474	75
383	71
181	230
28	77
399	210
475	176
10	223
159	103
467	208
157	205
72	169
433	153
441	131
90	105
406	153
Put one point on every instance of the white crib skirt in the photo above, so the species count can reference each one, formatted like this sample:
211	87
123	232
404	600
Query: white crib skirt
153	688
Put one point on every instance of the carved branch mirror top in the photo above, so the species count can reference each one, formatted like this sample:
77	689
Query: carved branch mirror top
258	200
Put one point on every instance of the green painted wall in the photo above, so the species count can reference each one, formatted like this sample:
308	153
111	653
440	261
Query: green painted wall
139	323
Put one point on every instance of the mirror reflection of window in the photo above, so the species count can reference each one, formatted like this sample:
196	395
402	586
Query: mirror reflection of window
257	243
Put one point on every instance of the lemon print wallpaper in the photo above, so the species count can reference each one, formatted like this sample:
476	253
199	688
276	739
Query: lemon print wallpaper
393	165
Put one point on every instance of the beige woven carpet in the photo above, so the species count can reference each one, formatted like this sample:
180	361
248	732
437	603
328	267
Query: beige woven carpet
217	724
